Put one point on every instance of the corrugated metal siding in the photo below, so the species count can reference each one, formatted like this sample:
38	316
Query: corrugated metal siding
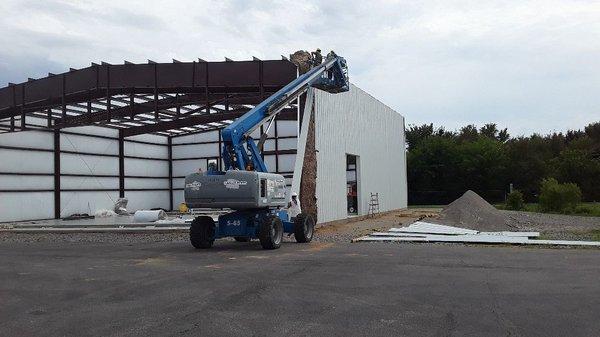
40	205
356	123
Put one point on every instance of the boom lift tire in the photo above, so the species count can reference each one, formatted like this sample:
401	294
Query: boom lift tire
241	238
271	232
202	232
304	227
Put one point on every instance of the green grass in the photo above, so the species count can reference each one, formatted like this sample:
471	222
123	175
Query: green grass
584	209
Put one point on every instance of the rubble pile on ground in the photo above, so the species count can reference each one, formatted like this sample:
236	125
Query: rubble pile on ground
473	212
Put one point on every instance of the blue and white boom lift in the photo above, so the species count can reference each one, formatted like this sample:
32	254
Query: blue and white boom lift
256	197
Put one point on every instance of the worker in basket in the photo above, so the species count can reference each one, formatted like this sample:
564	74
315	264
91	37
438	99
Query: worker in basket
293	208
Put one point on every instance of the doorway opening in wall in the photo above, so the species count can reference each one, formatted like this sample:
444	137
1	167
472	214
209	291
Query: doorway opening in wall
352	183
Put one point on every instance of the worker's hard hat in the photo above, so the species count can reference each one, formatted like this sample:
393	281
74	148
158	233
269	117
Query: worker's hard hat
319	50
294	194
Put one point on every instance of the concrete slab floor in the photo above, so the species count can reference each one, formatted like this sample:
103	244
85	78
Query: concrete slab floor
113	220
317	289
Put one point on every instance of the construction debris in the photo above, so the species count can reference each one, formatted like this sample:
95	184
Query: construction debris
430	228
303	60
104	213
149	215
422	227
77	216
429	232
121	206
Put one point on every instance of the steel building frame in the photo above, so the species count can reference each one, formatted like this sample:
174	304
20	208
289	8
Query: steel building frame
166	99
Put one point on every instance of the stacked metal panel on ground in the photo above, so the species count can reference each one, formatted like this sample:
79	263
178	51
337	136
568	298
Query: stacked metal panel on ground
428	232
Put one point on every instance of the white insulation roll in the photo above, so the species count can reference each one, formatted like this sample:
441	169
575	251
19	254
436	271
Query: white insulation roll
149	216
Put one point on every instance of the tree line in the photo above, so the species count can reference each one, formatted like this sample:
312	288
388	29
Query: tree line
443	164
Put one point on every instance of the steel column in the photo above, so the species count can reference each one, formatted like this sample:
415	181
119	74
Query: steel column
170	156
108	100
23	124
49	118
12	118
121	165
220	164
206	90
63	97
56	174
276	149
156	115
132	105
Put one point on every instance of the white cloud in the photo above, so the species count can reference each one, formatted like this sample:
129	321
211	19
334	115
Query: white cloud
530	66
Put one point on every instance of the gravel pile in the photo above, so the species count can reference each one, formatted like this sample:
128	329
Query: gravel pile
473	212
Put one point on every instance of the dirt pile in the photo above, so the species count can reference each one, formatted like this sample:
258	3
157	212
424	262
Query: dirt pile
473	212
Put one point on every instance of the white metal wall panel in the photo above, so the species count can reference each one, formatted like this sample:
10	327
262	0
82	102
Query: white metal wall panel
13	182
185	167
33	139
287	128
26	161
149	138
356	123
145	150
35	121
36	205
197	138
134	183
269	145
178	182
144	200
286	162
270	162
287	143
79	143
25	206
85	202
145	167
87	164
177	198
94	130
75	183
196	150
77	140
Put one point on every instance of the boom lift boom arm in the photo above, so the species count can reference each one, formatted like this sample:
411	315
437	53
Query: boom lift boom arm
331	76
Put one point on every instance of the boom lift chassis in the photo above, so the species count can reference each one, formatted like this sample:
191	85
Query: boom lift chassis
255	196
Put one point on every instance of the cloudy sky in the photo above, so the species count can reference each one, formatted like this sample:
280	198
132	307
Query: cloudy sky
528	66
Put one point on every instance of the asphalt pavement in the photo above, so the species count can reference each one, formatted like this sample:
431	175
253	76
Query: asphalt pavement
317	289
